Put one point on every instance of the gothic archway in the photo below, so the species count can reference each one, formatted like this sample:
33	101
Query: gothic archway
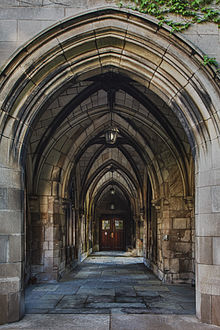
164	103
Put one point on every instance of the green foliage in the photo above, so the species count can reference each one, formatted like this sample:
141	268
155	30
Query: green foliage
209	60
191	11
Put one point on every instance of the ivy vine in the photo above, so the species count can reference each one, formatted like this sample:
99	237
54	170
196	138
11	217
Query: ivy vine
190	12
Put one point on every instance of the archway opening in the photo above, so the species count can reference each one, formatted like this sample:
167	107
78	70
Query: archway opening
57	117
87	195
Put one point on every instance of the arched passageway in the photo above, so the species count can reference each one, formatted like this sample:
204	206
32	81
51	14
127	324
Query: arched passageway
60	96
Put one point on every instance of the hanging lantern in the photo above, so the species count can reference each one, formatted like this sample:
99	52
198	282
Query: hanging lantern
111	135
112	191
112	206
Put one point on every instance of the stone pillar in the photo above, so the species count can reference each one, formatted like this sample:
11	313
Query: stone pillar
139	234
207	215
11	244
48	228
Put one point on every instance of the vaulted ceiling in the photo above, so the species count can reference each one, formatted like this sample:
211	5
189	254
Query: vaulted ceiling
68	148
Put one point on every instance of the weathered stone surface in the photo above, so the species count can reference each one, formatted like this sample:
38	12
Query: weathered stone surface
216	250
9	285
3	198
11	222
16	252
215	310
14	307
3	248
4	308
10	269
8	30
206	308
204	250
179	223
215	199
108	288
209	279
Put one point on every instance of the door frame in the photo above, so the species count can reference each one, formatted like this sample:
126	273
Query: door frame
112	217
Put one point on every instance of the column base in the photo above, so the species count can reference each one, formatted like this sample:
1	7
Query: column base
11	300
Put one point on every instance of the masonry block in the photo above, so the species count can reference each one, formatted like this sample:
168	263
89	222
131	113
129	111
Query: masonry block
14	307
215	314
15	248
11	269
8	30
4	308
216	199
206	308
3	248
3	198
179	223
11	222
204	250
216	250
27	28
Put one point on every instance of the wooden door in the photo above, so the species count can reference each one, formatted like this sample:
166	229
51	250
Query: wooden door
112	234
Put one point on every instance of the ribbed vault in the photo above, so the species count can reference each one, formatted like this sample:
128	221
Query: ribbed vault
60	94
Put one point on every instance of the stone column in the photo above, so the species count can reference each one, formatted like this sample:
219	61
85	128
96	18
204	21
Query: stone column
11	244
139	235
207	215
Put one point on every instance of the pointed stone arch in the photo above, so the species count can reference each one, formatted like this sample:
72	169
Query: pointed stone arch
135	47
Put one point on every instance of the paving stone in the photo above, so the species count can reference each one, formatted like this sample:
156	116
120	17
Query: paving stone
97	292
151	288
52	296
116	305
36	310
155	322
126	288
117	321
74	304
177	298
129	299
165	305
40	304
136	310
188	306
148	282
147	293
160	310
125	291
149	300
46	288
71	302
80	311
97	299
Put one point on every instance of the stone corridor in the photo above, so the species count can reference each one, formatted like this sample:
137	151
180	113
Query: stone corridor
108	283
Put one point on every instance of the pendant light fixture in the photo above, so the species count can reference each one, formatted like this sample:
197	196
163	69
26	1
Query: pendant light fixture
112	189
112	206
112	132
111	135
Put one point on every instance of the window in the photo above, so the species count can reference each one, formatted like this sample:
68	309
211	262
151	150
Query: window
105	224
118	224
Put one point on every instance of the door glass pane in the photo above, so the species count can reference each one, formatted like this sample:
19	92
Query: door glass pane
118	224
105	224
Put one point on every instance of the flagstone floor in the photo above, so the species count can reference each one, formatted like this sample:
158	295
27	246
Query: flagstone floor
110	283
110	291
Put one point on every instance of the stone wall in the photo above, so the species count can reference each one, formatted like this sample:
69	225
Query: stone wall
11	244
49	238
21	20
